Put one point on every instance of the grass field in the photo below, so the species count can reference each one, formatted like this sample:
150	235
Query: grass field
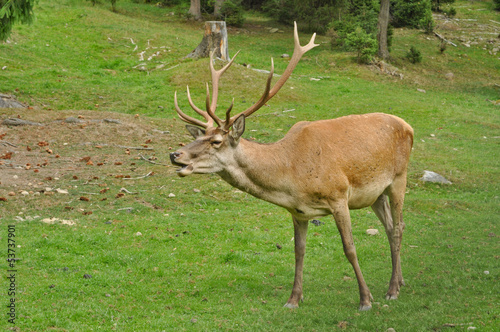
135	248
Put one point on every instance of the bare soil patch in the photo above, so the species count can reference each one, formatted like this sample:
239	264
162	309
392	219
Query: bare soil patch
67	147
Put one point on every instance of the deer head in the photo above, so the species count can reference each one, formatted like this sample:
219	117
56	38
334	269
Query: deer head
216	138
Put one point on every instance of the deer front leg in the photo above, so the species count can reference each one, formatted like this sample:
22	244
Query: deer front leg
343	221
300	233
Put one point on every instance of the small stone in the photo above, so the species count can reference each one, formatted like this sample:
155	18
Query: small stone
138	234
273	30
24	193
12	193
87	276
194	320
372	231
421	90
434	177
449	76
171	195
61	191
486	272
390	329
285	56
108	295
196	190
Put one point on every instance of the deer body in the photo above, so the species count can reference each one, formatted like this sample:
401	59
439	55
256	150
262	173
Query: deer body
311	166
319	168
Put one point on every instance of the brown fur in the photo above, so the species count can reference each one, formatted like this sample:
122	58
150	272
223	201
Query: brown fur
319	168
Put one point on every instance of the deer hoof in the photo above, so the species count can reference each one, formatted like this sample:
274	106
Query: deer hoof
291	305
365	307
391	297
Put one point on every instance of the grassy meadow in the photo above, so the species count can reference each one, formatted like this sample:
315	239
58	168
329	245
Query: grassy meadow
136	248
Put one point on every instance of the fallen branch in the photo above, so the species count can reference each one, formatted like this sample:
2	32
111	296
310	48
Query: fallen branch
127	191
5	143
140	177
444	39
133	147
152	162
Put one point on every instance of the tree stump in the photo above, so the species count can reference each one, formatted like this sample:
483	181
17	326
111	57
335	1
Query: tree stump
214	38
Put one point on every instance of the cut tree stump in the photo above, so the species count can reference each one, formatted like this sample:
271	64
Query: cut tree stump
214	38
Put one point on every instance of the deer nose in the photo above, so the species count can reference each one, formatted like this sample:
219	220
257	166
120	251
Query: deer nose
174	155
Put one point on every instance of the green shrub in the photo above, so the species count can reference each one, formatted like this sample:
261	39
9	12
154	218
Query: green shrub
411	13
314	16
363	44
497	4
414	55
232	12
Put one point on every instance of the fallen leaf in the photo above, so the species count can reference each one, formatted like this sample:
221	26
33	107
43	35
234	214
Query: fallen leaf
85	159
3	199
43	143
83	198
7	155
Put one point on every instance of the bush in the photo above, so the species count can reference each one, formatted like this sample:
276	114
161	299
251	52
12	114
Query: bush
412	13
363	44
358	14
497	4
414	55
232	12
314	16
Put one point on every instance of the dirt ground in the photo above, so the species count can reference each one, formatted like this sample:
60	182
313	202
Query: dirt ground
57	147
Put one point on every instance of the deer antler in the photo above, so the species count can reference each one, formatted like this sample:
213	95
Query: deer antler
298	52
269	92
209	115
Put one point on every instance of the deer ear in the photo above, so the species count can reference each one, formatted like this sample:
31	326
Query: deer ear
195	131
238	127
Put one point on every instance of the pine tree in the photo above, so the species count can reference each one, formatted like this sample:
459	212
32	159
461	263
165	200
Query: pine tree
13	11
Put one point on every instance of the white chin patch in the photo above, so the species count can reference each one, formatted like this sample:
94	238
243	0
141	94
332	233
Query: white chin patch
185	171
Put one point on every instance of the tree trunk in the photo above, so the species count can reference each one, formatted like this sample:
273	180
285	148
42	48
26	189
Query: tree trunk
214	38
195	9
217	7
383	22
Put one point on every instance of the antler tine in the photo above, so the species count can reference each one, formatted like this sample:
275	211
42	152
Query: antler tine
298	52
187	118
211	111
198	110
227	122
216	75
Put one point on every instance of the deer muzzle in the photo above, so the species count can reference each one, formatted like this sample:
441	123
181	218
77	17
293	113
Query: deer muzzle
185	169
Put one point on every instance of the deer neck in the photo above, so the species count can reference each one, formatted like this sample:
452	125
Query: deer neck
261	170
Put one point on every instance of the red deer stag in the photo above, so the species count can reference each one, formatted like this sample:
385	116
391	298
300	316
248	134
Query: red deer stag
319	168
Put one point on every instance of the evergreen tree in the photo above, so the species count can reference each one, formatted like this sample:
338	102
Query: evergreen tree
13	11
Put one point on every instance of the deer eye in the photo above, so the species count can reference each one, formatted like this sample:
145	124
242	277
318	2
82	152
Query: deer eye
216	143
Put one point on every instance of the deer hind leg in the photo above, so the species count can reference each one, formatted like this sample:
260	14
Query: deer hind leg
391	218
343	220
300	232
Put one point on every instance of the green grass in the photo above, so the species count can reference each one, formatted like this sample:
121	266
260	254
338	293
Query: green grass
208	261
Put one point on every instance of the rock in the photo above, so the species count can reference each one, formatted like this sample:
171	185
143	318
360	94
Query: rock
372	231
316	222
449	76
273	30
7	101
72	119
138	234
171	195
19	122
434	177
